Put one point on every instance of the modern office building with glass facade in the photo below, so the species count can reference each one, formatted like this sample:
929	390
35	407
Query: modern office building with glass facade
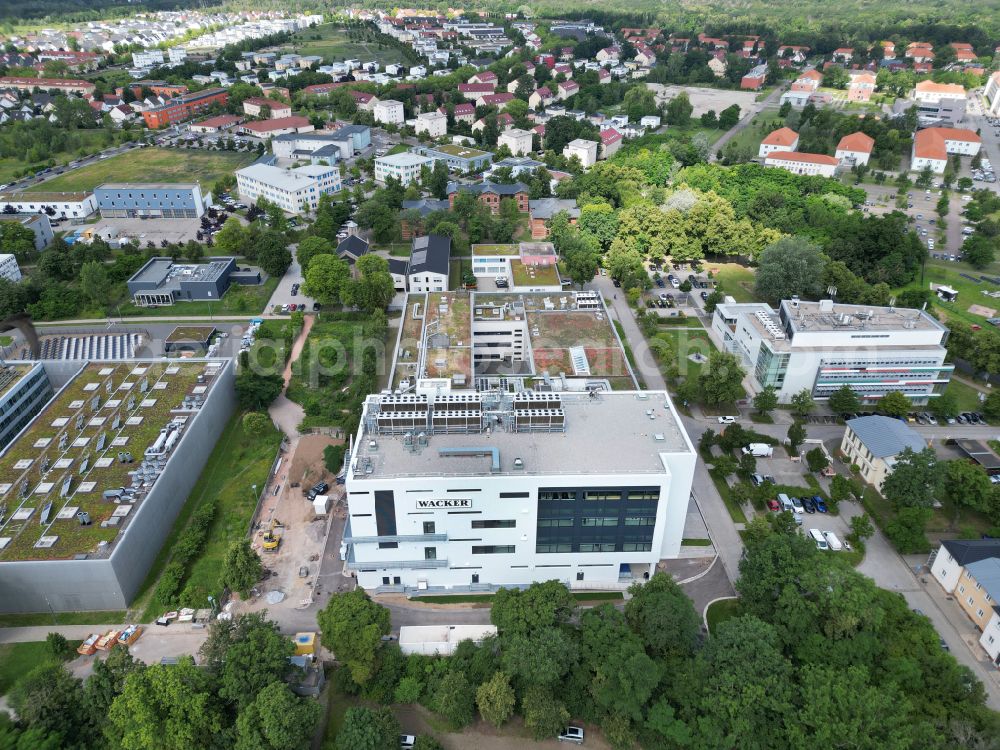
821	346
477	489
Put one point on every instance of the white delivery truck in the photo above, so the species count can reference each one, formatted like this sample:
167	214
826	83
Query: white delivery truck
759	450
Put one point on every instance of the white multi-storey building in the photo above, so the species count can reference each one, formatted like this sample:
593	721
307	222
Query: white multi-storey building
294	190
582	149
8	267
821	346
405	167
435	124
991	93
517	140
389	111
147	58
471	489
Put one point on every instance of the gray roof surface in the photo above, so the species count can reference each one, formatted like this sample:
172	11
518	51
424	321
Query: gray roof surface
546	208
430	254
966	551
987	574
426	205
885	436
352	246
488	187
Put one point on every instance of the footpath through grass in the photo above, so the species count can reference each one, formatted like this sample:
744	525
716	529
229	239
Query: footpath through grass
239	461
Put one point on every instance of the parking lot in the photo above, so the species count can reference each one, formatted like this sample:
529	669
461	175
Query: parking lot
146	231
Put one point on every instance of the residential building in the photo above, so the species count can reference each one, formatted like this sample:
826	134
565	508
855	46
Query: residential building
566	89
256	106
798	162
861	86
64	205
351	248
389	112
434	124
315	146
147	58
650	122
39	224
991	94
24	389
802	88
367	102
543	210
820	346
120	200
361	135
931	92
755	79
464	113
855	149
611	141
404	167
937	103
952	557
526	266
782	139
518	141
458	158
978	592
162	281
9	270
430	262
473	91
873	444
491	193
183	107
215	124
540	97
266	129
534	496
294	190
582	149
931	147
65	85
89	532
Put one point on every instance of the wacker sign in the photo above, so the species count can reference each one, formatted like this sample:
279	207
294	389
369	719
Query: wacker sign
442	504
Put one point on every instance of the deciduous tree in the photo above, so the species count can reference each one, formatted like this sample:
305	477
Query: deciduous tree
353	625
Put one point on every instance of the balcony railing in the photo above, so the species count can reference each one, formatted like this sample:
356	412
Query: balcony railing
396	538
396	564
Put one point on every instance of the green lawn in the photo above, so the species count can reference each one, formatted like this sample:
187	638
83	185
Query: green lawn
395	249
332	44
456	271
751	136
695	542
966	396
969	293
721	610
93	141
237	300
29	619
238	462
580	596
683	343
734	280
735	511
17	659
149	165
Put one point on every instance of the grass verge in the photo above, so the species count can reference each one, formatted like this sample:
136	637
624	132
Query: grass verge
239	461
34	619
695	542
18	659
735	511
580	596
720	611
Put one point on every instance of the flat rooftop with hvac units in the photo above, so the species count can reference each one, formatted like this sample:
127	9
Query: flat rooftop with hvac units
91	486
558	341
162	281
822	346
477	489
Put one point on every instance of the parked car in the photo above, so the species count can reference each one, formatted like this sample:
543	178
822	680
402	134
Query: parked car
772	505
808	505
820	504
407	741
572	734
797	505
728	420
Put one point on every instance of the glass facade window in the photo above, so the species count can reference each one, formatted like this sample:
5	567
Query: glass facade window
493	549
771	367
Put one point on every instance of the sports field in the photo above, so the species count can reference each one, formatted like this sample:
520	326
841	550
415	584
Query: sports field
149	165
333	45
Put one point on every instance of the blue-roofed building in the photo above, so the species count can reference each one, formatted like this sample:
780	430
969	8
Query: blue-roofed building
873	443
129	200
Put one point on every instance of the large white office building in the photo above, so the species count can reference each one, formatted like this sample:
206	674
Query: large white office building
469	489
294	190
404	167
821	346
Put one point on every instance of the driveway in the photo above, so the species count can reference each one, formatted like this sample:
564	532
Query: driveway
283	292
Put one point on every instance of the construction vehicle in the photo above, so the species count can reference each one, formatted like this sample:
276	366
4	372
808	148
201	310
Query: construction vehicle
272	537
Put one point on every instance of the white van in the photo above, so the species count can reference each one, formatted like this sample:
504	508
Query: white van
832	541
817	536
785	501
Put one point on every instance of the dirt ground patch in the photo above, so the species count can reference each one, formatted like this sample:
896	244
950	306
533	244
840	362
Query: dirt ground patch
704	99
307	463
483	736
986	312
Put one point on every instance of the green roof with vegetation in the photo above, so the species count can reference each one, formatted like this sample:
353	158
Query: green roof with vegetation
105	409
11	375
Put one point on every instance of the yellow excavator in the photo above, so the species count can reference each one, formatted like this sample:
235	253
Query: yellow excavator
272	537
